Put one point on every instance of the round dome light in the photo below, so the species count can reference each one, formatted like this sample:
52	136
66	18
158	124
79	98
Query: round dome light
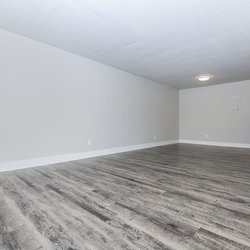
204	78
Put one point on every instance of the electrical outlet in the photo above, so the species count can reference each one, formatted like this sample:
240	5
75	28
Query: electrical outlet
154	137
206	136
89	142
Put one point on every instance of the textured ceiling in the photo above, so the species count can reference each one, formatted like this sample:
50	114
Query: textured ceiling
169	41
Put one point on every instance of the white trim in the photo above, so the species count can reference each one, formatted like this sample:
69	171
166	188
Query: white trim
14	165
214	143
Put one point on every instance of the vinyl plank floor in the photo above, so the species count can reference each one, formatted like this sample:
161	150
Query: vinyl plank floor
171	197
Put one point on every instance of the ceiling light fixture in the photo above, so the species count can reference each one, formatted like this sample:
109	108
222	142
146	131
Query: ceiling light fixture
204	78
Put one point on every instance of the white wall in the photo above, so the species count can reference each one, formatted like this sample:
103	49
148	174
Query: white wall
52	102
210	111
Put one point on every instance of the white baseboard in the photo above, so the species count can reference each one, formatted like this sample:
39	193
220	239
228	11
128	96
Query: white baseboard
14	165
214	143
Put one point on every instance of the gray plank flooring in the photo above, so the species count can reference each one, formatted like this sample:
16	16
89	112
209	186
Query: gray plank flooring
172	197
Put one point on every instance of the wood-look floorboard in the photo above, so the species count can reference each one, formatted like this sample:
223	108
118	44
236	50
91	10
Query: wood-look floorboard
173	197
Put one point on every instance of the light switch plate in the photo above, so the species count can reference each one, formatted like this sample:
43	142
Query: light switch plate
235	104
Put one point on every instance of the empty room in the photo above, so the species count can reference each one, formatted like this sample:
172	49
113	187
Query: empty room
124	125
